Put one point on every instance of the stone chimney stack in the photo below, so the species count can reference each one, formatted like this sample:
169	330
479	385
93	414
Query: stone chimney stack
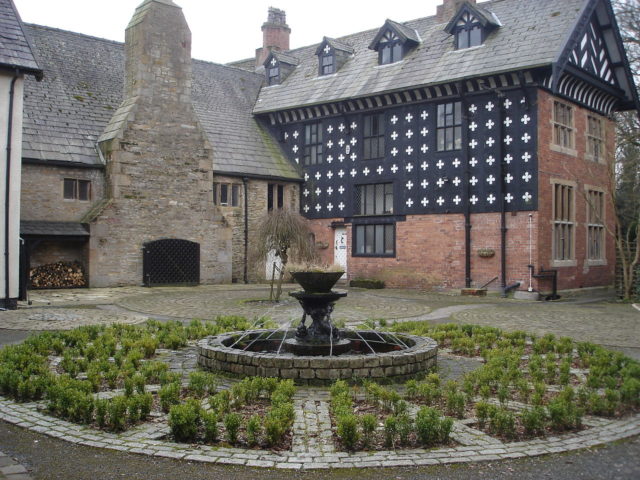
275	35
158	53
159	163
448	9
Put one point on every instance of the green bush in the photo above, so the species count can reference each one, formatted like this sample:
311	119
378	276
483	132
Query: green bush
483	413
221	402
202	383
210	422
533	420
169	395
405	428
431	428
347	430
254	430
368	424
390	431
232	423
502	422
117	413
184	420
455	403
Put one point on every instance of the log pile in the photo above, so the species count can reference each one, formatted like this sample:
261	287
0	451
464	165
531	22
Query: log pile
58	275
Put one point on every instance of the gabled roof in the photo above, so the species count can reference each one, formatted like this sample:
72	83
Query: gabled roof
405	33
532	35
484	16
15	50
84	76
335	44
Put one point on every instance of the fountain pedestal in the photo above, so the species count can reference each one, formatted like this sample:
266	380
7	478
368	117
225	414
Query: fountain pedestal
321	337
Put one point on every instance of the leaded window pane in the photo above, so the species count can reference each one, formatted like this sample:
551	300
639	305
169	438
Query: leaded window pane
69	189
84	190
475	36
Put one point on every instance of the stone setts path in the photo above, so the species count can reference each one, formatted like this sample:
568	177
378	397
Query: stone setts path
312	443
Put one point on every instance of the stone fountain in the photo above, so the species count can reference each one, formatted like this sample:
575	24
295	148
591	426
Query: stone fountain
318	353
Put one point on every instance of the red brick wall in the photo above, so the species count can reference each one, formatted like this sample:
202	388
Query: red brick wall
574	168
430	251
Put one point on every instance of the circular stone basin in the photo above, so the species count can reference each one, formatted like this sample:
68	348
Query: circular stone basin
373	355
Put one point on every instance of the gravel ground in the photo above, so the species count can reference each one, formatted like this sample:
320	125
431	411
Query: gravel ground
51	459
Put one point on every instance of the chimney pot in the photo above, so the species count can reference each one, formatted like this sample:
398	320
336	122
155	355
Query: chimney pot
449	8
275	35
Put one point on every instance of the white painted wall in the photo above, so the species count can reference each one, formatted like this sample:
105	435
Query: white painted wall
16	161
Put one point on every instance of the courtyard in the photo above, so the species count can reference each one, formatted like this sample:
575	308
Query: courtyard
594	318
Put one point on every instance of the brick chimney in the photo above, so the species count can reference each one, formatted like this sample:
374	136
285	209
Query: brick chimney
449	8
159	163
275	35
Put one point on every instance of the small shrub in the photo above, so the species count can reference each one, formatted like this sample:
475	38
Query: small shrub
347	430
368	424
390	431
210	422
184	420
117	411
169	395
431	428
367	283
533	420
502	422
254	430
405	428
483	411
455	404
202	383
232	423
221	402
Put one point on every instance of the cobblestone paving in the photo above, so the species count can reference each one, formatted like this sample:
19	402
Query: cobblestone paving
64	318
10	469
207	303
603	323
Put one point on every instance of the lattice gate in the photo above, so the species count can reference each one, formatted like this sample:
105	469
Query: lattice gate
171	262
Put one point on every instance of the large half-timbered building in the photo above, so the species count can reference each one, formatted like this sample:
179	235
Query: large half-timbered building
468	148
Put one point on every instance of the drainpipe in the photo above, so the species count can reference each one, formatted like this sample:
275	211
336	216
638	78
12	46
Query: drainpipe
7	271
503	205
245	186
467	208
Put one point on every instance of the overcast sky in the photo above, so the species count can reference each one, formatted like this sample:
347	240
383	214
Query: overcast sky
227	30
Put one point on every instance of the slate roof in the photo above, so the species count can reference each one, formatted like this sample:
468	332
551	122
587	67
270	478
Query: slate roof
66	113
53	229
532	34
15	50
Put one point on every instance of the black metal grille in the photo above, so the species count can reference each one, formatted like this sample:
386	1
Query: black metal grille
171	262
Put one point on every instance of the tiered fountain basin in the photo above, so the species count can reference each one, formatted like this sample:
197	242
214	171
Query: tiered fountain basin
373	355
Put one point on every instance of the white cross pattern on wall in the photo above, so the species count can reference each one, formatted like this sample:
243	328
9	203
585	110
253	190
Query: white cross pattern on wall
457	200
366	171
327	49
440	182
329	158
491	160
440	201
526	137
508	177
457	181
424	202
329	144
318	191
473	108
353	172
341	206
507	122
329	174
341	142
489	106
409	167
394	151
409	117
526	156
473	126
409	150
491	179
330	129
508	140
295	134
318	175
295	149
380	170
473	199
409	133
306	177
456	163
527	197
394	168
341	173
306	192
490	141
341	189
424	165
508	197
409	203
306	209
526	177
394	136
329	191
489	124
424	131
330	206
409	185
424	115
491	199
526	119
473	162
341	127
424	148
424	184
394	119
440	164
473	144
318	207
508	159
354	125
473	181
507	103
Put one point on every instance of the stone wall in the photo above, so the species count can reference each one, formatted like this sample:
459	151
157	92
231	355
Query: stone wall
42	192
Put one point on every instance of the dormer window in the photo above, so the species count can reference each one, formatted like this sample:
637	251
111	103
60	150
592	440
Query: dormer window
390	50
327	61
471	26
278	66
332	55
273	72
469	32
393	41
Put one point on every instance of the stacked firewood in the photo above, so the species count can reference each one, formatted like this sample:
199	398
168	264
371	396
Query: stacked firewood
58	275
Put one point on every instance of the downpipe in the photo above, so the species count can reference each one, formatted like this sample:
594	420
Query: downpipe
7	244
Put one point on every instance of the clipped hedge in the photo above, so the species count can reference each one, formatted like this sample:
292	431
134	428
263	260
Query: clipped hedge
367	283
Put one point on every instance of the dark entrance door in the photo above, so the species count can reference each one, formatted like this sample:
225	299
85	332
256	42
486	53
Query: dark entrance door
171	262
